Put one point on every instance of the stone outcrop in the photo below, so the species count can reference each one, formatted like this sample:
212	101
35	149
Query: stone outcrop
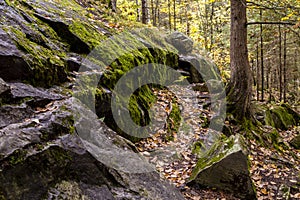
42	157
224	165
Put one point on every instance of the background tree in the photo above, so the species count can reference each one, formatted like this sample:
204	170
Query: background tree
144	12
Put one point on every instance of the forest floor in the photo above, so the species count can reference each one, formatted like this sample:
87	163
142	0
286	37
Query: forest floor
274	172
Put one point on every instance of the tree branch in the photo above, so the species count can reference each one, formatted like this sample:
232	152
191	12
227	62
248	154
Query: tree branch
283	23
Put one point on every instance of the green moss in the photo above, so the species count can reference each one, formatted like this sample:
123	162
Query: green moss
17	157
8	3
205	121
139	103
46	66
87	33
58	155
252	131
222	147
197	147
173	121
268	119
280	118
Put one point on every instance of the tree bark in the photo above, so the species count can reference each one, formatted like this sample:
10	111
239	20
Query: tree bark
262	59
280	64
239	89
138	11
169	11
257	72
212	27
284	67
144	12
174	14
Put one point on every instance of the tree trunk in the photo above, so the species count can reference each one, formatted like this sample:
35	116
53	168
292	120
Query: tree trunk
257	72
262	59
138	11
174	14
212	27
284	67
187	18
280	65
239	90
169	10
156	20
144	12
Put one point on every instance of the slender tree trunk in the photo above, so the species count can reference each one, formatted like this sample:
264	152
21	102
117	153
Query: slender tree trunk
239	90
158	14
187	10
152	13
271	82
212	25
295	74
144	12
280	65
205	26
257	72
262	59
156	20
169	10
284	67
174	14
138	16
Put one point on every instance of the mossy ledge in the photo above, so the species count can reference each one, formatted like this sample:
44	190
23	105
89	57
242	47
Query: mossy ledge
119	55
46	33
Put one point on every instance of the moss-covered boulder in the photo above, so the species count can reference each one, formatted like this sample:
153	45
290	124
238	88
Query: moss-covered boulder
281	117
143	52
224	166
295	142
39	37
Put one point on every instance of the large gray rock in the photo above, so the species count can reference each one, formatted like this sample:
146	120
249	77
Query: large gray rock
43	157
181	42
200	69
225	166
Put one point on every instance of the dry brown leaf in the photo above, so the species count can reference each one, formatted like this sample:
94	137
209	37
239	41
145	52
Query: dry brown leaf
264	191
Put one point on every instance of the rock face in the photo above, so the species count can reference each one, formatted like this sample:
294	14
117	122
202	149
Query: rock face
180	41
39	40
41	157
225	166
